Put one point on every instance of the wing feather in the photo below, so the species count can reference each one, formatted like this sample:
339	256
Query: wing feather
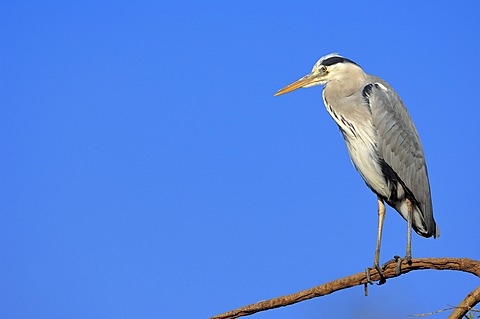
400	147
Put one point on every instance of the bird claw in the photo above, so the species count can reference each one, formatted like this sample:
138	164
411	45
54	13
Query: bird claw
399	261
367	273
382	277
380	272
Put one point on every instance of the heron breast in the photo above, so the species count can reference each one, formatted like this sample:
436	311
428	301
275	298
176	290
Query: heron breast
366	161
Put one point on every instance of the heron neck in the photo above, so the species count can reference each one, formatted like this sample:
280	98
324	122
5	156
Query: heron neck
343	88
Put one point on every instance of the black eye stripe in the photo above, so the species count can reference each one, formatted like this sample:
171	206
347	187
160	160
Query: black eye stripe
335	60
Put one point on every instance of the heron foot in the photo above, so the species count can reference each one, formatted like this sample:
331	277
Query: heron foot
380	272
399	260
367	273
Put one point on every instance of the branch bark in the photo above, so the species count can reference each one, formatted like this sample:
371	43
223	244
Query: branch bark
458	264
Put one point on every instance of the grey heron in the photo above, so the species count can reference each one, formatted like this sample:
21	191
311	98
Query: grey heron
382	141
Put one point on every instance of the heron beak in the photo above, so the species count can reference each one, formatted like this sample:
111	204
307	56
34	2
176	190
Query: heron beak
306	81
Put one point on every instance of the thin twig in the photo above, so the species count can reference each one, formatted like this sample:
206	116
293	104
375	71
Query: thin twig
441	310
432	313
458	264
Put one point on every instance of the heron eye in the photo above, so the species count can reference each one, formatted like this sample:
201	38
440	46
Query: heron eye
324	69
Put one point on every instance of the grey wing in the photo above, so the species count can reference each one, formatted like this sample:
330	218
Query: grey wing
400	147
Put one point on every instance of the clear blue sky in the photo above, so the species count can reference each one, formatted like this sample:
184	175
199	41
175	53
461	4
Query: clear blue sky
147	171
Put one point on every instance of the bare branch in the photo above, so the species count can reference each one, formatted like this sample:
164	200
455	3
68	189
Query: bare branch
458	264
466	305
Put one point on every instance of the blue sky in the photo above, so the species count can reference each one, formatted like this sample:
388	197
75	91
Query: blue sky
148	171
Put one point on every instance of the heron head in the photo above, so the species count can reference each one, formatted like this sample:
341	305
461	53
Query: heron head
328	68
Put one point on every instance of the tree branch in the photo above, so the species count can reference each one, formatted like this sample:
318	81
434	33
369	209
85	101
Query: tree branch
471	300
458	264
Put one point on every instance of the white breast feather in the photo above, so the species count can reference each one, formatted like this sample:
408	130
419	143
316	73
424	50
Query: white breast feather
361	147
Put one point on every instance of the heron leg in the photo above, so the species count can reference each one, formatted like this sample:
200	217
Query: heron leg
376	260
408	254
381	219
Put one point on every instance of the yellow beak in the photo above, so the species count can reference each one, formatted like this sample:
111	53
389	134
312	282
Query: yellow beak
300	83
